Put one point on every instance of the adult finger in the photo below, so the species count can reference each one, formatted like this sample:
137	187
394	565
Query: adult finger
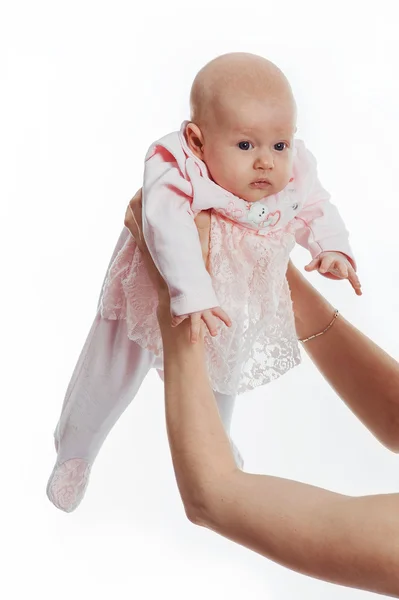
133	216
133	221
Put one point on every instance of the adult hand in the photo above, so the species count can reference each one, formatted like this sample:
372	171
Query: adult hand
133	221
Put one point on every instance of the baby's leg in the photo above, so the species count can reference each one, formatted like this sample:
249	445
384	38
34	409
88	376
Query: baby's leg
106	378
226	407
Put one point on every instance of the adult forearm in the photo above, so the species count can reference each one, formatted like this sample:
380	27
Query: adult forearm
349	541
362	374
200	448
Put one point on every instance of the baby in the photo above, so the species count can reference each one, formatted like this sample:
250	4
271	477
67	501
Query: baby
239	157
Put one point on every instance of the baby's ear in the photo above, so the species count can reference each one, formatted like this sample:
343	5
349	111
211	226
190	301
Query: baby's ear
195	139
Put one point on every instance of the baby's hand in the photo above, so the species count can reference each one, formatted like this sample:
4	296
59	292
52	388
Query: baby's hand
209	317
338	265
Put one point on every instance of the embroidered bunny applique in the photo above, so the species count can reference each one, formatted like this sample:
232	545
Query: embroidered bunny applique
259	215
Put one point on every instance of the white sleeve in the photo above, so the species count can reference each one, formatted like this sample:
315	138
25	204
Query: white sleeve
172	236
319	225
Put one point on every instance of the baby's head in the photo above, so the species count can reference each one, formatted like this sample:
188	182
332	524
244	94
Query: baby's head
243	122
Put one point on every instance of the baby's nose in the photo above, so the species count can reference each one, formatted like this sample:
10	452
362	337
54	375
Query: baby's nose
265	161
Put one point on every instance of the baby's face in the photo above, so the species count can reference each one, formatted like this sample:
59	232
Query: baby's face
249	150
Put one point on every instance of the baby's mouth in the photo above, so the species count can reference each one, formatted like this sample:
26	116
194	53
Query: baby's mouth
260	184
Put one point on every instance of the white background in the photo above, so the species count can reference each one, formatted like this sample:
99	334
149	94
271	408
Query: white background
85	88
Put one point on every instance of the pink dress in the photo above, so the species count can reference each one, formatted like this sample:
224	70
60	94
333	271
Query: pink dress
249	252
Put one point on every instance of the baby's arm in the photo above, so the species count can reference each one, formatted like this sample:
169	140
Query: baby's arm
172	239
320	229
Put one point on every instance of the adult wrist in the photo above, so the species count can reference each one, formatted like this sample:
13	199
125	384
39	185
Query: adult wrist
322	331
312	315
312	312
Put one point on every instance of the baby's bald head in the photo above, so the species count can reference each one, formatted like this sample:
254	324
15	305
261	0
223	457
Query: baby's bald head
243	122
226	83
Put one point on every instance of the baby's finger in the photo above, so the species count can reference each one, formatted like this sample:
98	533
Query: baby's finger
211	322
355	281
326	263
195	327
341	268
222	315
312	265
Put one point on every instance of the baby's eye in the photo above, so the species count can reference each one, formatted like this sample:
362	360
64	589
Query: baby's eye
244	145
280	146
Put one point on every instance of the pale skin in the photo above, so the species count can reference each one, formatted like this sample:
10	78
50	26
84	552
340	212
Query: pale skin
243	122
351	541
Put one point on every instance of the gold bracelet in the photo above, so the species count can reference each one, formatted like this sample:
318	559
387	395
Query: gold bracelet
336	313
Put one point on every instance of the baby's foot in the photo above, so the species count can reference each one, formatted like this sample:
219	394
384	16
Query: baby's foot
67	484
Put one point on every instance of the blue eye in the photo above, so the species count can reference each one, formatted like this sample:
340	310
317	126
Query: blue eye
244	145
278	146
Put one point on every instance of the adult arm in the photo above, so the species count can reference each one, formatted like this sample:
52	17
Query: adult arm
364	376
346	540
341	539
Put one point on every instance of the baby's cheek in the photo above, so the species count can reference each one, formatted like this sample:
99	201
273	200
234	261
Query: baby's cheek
283	179
216	165
226	175
213	169
228	169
